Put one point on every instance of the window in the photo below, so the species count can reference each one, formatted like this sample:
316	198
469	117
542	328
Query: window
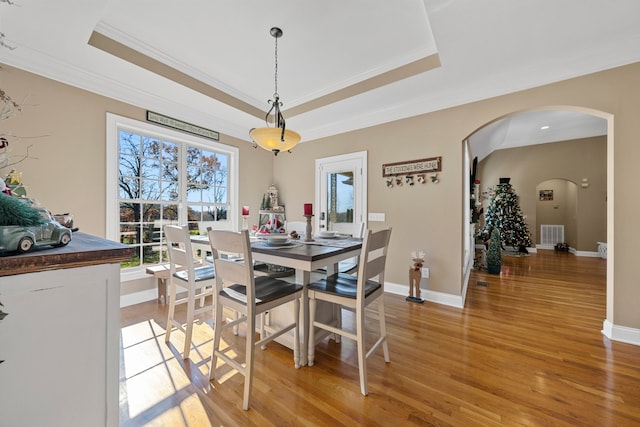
158	176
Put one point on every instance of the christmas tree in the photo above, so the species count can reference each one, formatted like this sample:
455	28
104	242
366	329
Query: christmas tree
504	214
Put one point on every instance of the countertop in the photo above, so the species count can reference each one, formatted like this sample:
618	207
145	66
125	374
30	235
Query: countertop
83	250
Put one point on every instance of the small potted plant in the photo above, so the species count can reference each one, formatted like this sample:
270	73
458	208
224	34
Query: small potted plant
494	252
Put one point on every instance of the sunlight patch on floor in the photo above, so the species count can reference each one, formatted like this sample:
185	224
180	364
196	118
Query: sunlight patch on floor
153	380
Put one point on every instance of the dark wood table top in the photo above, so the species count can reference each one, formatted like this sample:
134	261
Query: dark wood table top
83	250
309	251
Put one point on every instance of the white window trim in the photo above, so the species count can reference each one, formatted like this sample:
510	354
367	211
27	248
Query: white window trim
116	122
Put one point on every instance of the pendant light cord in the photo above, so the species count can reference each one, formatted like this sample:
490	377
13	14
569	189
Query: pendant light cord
275	93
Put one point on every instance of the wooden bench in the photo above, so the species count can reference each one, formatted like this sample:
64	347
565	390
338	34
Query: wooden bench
161	272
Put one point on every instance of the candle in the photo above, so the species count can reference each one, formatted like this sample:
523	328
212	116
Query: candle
245	211
308	209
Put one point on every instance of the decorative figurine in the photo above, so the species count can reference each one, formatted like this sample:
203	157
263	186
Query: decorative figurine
272	192
415	275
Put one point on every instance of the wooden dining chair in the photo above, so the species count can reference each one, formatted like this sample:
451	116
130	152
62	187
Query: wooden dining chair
349	266
186	271
355	293
299	227
239	289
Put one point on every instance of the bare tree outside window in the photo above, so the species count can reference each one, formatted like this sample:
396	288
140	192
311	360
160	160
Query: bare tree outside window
156	177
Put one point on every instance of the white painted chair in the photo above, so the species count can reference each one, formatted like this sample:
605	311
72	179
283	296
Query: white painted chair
349	266
239	289
355	293
187	272
299	227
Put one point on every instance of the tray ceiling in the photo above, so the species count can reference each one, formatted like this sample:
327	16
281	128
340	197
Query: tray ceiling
341	65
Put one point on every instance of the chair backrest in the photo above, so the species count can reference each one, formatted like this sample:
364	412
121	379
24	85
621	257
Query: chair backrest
360	233
203	226
179	247
231	269
299	226
373	257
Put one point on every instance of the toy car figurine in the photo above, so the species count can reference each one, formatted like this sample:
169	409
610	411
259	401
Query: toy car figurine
23	238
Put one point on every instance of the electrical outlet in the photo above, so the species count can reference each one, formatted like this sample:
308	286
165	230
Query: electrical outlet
425	272
376	216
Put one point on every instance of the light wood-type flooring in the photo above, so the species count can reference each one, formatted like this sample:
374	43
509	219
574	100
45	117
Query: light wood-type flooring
525	351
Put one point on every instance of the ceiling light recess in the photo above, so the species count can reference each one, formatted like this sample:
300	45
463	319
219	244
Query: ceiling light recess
279	138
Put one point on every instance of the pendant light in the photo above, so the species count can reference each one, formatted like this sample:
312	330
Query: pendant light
278	138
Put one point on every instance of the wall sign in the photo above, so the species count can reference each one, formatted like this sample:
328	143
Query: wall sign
412	171
183	126
432	164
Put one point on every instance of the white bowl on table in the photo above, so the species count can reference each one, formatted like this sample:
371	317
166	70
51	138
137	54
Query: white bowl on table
327	234
276	239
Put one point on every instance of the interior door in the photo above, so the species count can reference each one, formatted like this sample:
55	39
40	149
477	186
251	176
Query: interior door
341	193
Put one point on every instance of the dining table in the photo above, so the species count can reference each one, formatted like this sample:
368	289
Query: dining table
305	257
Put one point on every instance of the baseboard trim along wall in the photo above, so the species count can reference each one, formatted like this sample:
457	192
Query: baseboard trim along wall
621	333
572	250
138	297
427	295
392	288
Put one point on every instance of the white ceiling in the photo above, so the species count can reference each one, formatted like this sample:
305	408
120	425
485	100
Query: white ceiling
342	65
535	127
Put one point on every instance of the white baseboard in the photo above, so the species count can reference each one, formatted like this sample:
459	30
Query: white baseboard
392	288
549	247
621	333
432	296
571	250
587	254
138	297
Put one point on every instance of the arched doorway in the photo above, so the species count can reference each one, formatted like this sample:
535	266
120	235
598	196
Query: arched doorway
497	134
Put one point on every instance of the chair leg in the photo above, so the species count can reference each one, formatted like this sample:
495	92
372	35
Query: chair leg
383	329
235	327
337	315
217	334
250	349
312	330
171	310
263	330
189	325
296	334
362	358
202	290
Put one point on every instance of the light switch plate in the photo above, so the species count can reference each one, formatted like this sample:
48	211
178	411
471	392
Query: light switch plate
376	216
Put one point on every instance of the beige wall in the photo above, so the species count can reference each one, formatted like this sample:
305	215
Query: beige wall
430	216
561	210
586	222
65	127
70	168
416	213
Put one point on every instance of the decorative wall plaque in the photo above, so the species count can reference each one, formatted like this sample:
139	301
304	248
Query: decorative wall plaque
432	164
183	126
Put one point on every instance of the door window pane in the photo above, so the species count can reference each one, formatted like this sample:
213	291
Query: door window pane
339	198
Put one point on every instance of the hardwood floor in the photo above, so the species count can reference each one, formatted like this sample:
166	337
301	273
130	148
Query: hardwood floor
526	350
